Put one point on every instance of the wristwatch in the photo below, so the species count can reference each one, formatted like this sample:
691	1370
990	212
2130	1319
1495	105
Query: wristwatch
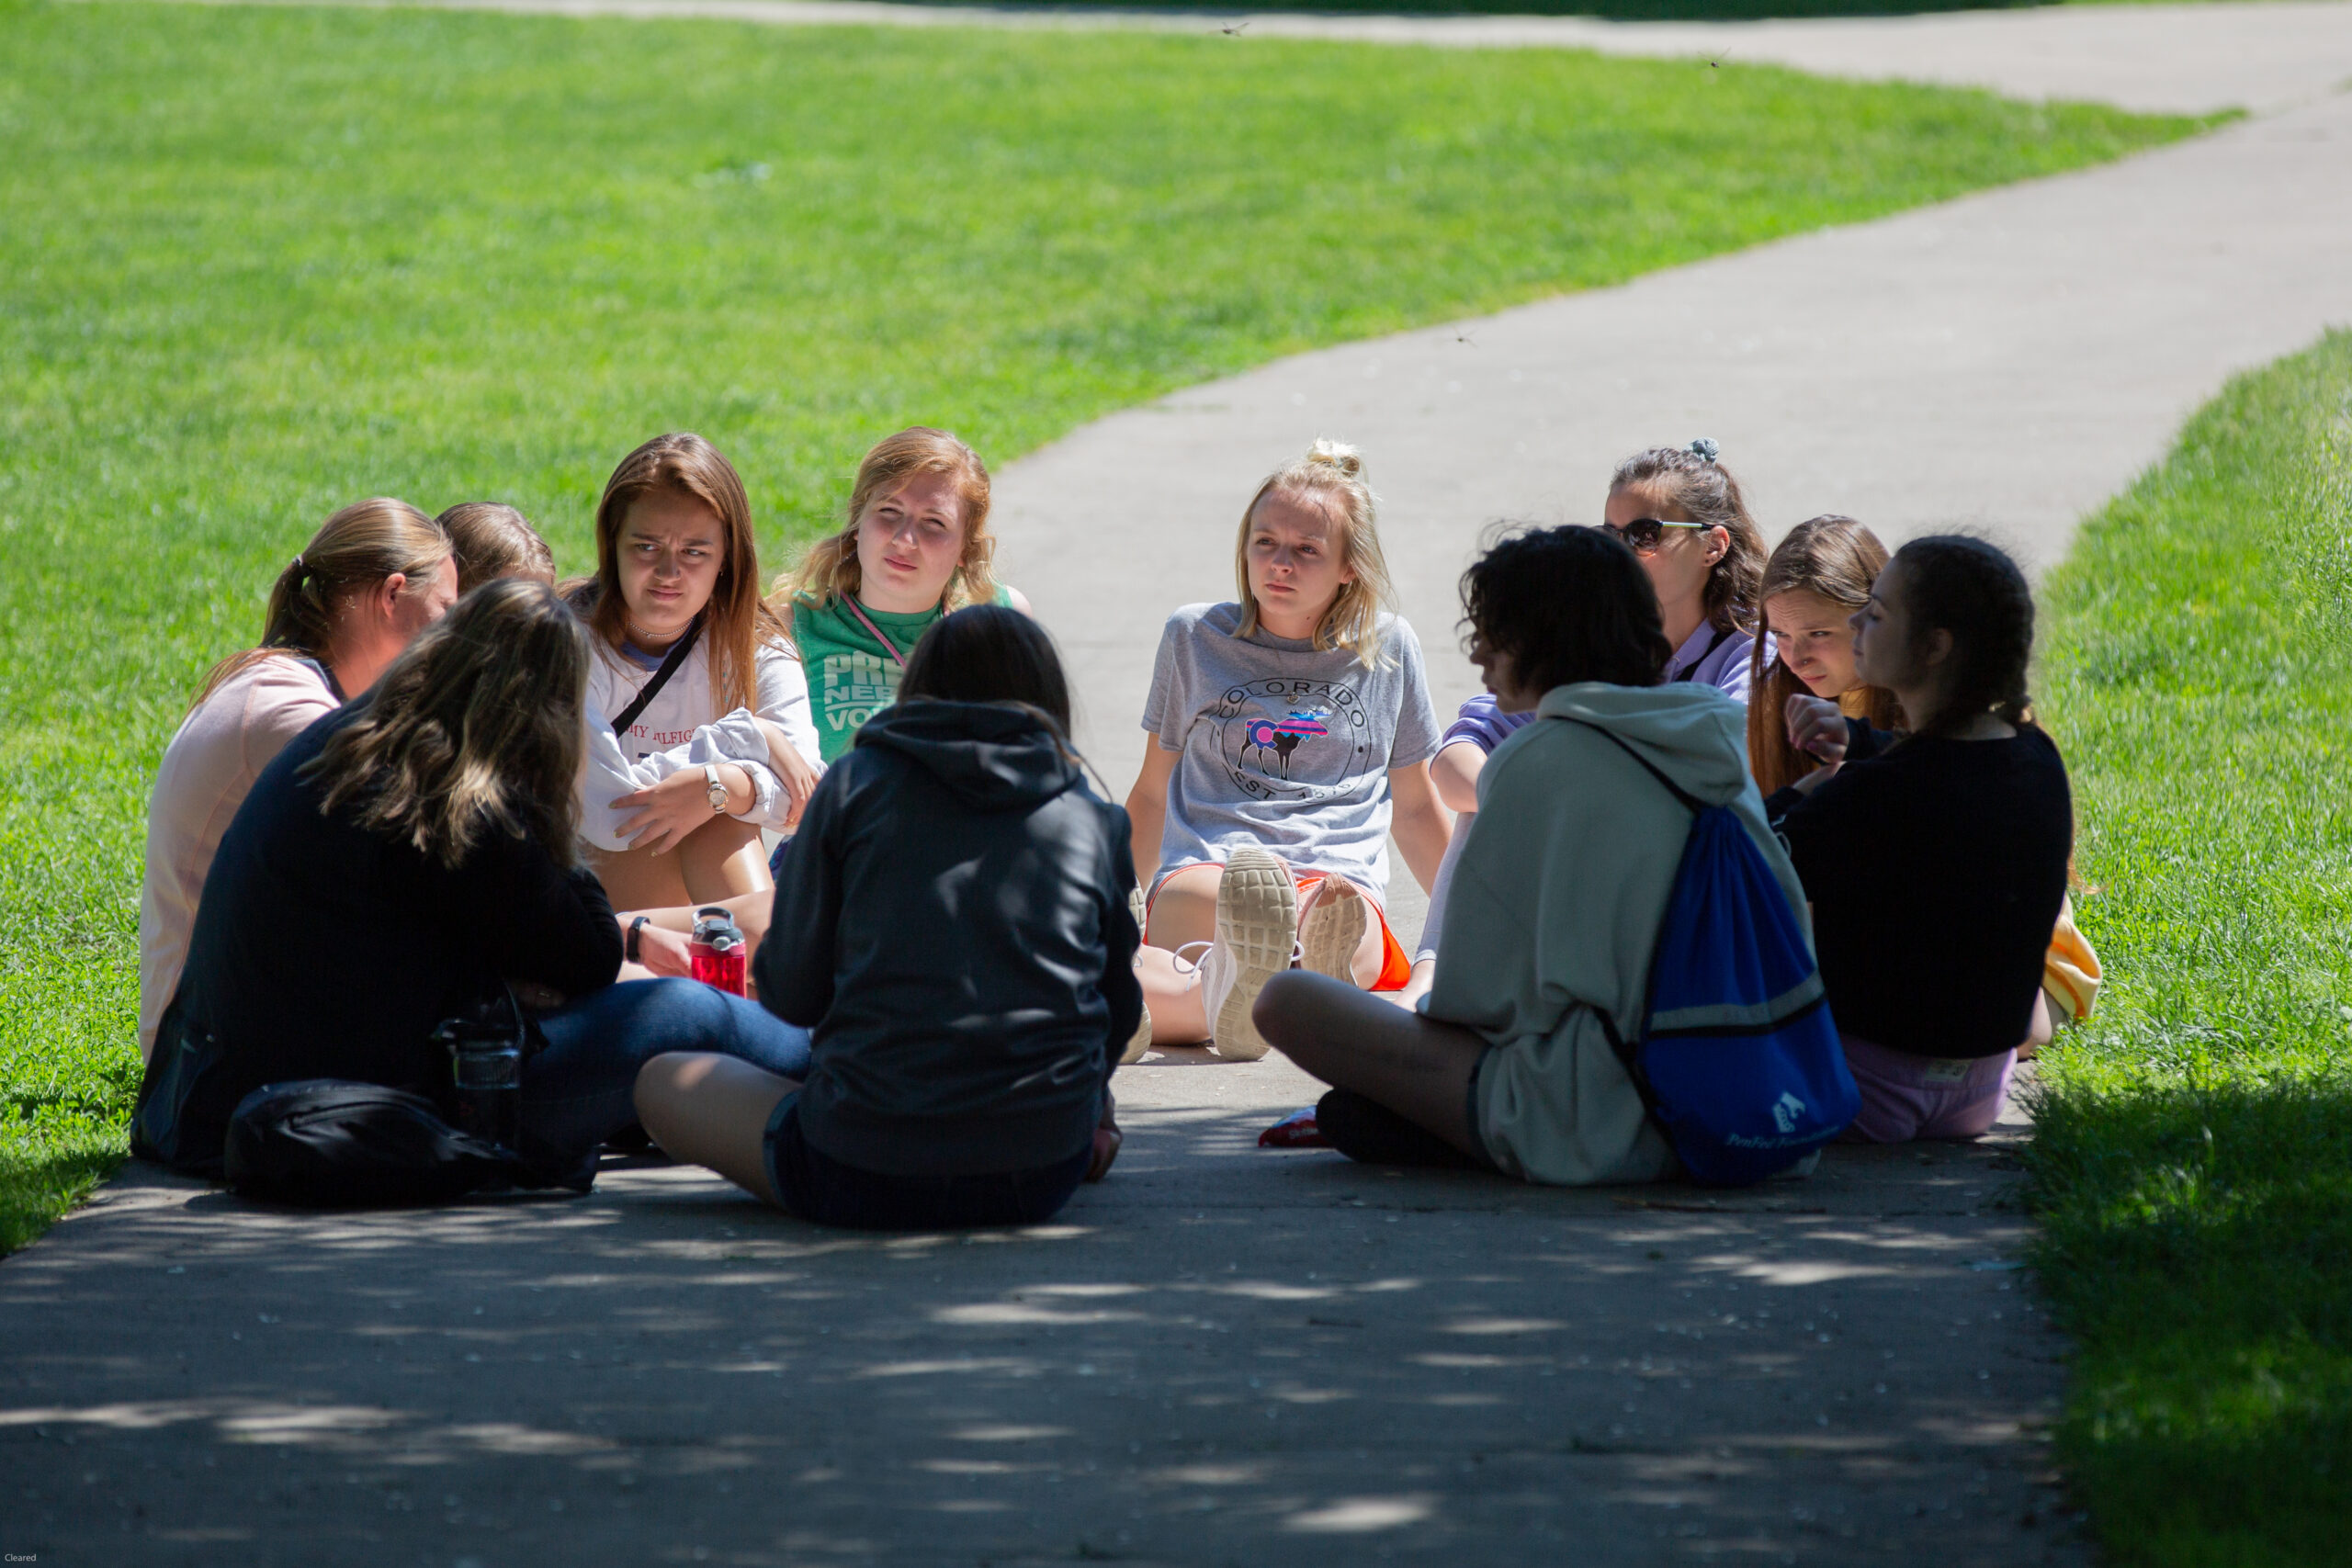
713	787
630	947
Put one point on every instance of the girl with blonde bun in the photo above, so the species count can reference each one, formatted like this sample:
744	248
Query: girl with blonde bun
1293	732
375	574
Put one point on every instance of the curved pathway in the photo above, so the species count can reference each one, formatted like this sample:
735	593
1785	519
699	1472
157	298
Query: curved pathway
2185	59
1228	1355
2002	362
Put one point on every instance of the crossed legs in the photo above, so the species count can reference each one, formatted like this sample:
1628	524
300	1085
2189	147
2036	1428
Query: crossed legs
1417	1067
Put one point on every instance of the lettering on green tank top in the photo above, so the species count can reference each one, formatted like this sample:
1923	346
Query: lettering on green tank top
851	676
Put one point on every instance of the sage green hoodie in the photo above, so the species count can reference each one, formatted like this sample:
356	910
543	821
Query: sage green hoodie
1555	912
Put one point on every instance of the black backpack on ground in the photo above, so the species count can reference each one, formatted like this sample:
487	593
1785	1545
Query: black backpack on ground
329	1142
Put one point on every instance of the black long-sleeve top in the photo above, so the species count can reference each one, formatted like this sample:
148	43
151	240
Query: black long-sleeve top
1936	869
325	950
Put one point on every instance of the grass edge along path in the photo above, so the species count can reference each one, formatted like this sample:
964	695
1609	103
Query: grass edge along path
2193	1160
255	263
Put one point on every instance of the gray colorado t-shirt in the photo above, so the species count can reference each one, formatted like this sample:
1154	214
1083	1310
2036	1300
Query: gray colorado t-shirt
1283	745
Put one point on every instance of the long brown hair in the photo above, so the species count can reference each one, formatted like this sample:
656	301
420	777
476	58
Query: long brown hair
1836	558
1333	472
735	623
1690	478
475	729
830	570
357	547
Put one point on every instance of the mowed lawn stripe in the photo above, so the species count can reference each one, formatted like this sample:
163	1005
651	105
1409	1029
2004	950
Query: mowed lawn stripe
258	263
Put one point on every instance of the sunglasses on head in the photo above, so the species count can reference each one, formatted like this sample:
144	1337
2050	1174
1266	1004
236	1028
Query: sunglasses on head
1643	534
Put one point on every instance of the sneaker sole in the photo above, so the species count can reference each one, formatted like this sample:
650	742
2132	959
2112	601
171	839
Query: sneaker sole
1332	931
1257	919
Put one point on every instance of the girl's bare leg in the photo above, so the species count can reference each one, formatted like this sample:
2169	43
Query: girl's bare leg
1172	994
1417	1067
722	859
2040	1030
712	1110
717	860
1184	911
639	879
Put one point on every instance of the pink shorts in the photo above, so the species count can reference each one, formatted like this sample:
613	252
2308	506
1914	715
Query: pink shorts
1906	1097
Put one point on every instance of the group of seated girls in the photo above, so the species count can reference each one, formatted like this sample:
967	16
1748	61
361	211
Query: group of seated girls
438	781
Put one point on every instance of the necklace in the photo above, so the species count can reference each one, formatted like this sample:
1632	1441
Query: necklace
646	640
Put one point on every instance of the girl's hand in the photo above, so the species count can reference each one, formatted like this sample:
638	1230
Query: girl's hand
659	818
1107	1139
798	775
664	951
536	997
1817	728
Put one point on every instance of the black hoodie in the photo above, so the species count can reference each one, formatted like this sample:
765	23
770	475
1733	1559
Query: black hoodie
951	921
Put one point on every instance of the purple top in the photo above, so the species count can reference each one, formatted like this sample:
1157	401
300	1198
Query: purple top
1482	724
1712	657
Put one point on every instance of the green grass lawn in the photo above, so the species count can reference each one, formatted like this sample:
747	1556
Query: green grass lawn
257	263
2193	1155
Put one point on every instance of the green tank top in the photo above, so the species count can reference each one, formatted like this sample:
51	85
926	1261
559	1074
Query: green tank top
851	676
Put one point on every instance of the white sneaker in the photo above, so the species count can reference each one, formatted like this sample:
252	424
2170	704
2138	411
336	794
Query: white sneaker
1257	938
1333	928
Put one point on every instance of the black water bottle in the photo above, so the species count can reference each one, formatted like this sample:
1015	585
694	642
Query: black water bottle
486	1070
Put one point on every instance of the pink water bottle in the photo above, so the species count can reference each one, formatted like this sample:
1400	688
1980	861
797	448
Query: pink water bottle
717	949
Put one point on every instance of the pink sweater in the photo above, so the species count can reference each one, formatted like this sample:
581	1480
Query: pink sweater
221	749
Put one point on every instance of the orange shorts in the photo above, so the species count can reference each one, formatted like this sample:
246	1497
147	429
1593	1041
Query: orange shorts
1395	963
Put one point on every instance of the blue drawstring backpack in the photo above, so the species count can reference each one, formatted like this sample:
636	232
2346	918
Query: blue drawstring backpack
1739	1060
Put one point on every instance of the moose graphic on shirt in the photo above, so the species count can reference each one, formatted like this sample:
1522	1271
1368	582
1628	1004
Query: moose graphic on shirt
1299	740
1282	735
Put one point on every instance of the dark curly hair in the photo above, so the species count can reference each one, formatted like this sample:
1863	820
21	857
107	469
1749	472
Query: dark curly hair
1973	590
1567	604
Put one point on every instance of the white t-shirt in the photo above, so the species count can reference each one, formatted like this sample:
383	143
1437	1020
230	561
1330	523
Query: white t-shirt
222	747
681	728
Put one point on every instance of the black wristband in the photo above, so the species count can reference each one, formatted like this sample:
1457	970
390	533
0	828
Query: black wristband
634	926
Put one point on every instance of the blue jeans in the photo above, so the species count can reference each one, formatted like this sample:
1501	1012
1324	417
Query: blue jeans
578	1090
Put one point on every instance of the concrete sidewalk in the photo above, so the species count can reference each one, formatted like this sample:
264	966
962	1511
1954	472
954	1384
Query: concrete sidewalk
2180	59
1223	1355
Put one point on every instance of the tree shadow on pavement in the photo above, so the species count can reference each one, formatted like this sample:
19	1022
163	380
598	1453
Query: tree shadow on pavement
1221	1353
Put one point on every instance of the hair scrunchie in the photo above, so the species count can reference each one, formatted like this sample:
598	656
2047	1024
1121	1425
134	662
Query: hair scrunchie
1704	449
